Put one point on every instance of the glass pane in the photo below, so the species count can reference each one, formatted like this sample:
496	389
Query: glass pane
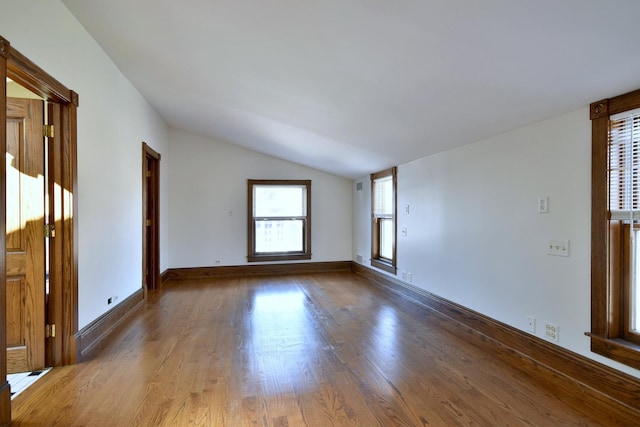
386	239
383	196
279	236
279	201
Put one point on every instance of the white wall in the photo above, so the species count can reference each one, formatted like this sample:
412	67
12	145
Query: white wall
474	235
208	212
113	120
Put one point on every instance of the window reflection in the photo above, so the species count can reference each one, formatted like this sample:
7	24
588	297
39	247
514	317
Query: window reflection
385	342
283	341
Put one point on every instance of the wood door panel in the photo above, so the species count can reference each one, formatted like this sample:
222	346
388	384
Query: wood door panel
25	261
16	266
15	297
15	235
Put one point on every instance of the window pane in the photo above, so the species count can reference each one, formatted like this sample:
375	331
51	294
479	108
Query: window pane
383	196
279	201
279	236
386	238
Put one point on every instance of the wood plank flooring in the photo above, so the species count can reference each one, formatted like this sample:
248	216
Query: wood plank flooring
309	350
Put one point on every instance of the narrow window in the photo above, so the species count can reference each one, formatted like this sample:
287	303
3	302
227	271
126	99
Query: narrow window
279	226
383	220
615	229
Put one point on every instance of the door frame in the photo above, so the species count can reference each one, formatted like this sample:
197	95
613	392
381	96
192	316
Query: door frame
63	276
150	218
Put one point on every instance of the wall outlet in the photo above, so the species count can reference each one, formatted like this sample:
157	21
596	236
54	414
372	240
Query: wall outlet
558	247
551	332
531	324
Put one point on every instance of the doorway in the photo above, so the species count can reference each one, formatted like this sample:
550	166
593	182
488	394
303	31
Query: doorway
150	218
59	320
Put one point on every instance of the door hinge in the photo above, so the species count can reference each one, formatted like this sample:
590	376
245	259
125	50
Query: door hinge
49	230
148	223
50	331
47	130
148	174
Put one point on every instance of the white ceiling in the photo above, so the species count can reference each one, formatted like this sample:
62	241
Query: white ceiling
354	86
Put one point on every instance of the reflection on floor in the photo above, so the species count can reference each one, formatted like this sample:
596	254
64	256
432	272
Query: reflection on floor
20	382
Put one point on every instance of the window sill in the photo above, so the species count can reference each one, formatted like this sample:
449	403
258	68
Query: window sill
277	257
620	350
384	265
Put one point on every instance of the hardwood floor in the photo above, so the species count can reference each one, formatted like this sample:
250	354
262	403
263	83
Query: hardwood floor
308	350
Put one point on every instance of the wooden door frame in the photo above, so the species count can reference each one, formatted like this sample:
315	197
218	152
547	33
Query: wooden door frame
150	231
63	277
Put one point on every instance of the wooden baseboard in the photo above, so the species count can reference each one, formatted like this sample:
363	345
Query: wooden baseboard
197	273
5	404
93	336
614	384
164	277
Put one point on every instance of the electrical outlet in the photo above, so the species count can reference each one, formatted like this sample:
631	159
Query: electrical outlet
531	324
404	276
558	247
551	332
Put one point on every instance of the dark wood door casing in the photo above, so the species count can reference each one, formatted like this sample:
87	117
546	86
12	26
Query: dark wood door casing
150	218
63	173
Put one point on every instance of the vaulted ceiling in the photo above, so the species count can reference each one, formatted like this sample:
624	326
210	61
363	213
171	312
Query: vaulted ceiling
354	86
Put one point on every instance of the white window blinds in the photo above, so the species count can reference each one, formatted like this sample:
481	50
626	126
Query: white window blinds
624	165
383	196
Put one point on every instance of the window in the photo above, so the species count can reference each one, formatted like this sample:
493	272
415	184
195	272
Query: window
279	220
383	220
615	229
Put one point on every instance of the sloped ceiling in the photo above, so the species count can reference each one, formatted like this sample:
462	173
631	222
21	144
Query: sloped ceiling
354	86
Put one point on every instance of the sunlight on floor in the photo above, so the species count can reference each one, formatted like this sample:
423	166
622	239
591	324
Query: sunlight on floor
20	382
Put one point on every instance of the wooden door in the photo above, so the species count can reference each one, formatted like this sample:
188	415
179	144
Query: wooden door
25	238
151	217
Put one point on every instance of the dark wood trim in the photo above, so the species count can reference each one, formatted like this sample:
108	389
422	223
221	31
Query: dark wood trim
608	323
5	390
64	278
92	337
164	277
287	256
376	260
612	383
196	273
5	404
28	74
599	258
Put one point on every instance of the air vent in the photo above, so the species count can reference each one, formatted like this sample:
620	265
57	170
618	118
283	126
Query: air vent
359	259
359	186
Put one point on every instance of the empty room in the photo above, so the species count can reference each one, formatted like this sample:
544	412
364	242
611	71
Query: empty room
320	213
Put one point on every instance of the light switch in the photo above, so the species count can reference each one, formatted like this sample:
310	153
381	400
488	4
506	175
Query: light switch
543	205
